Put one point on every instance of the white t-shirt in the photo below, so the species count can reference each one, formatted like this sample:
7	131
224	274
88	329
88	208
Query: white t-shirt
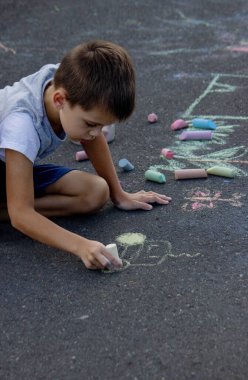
18	133
24	125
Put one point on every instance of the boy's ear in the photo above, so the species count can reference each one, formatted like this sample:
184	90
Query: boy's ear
59	98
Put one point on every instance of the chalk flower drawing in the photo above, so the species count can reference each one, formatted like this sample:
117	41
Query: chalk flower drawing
199	199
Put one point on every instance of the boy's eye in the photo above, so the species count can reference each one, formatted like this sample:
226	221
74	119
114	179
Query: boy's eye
91	125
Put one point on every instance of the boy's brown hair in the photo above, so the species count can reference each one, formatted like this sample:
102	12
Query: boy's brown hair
98	73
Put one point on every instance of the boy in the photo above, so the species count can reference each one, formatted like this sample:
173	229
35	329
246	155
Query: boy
93	86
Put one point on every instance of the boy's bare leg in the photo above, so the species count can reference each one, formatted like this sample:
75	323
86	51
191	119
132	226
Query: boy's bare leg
75	193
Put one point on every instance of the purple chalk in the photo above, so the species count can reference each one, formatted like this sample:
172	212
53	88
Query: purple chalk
196	135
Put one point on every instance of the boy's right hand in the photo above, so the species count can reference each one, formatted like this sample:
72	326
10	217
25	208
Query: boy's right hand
96	256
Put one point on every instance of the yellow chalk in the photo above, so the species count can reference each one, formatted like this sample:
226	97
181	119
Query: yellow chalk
221	171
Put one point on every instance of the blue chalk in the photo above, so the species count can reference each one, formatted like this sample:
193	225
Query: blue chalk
125	165
204	124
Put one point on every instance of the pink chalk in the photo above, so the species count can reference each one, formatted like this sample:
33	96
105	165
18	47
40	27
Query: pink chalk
179	124
167	153
81	155
243	49
152	118
196	135
190	173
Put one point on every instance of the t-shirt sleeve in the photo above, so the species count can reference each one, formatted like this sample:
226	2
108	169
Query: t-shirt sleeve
17	132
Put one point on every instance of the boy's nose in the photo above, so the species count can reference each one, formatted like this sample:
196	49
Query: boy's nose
95	132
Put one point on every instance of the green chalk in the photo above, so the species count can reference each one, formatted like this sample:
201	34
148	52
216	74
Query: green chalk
155	176
221	171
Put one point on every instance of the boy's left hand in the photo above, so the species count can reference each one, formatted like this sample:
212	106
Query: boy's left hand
140	200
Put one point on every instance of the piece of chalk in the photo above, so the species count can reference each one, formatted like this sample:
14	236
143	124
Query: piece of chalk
204	124
109	132
112	248
221	171
167	153
125	165
155	176
190	173
196	135
152	118
179	124
76	142
81	155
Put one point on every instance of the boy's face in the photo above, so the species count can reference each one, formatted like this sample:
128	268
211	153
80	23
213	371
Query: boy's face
83	125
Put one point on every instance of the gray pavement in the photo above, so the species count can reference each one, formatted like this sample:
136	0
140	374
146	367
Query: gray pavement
178	309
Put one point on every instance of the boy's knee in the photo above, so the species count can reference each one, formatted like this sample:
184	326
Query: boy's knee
100	194
96	197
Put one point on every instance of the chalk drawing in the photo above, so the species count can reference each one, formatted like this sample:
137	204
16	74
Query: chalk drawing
130	239
224	155
198	199
136	250
217	85
7	49
222	132
192	21
189	152
237	48
230	158
164	53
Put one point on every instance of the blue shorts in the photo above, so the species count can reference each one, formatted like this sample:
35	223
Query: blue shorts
44	175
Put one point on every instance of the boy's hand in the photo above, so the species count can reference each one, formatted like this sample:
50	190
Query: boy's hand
141	200
95	256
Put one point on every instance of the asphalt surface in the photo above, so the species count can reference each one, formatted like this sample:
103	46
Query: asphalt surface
178	309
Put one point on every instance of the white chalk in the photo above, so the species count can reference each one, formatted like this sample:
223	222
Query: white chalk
76	142
112	248
109	132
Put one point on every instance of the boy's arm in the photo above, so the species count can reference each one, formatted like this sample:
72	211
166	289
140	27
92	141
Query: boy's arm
100	156
20	202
